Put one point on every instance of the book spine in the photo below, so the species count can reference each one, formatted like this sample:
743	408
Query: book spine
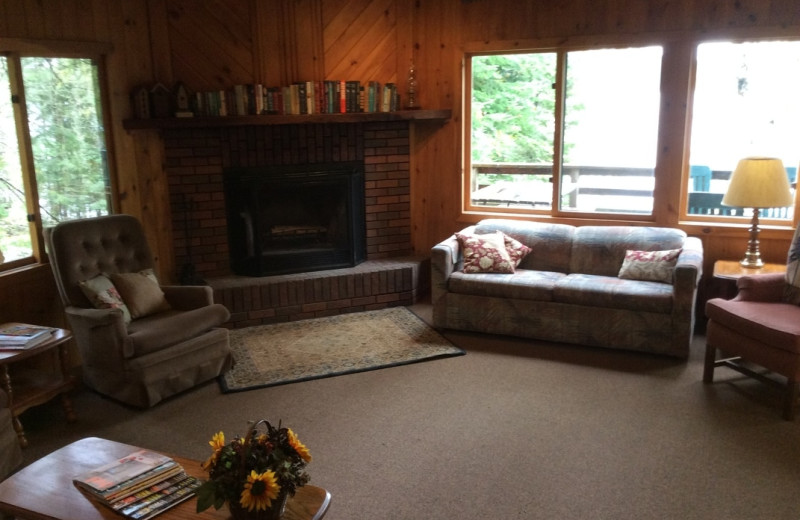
240	94
223	103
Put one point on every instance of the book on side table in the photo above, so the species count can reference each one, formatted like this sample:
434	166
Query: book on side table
19	336
140	485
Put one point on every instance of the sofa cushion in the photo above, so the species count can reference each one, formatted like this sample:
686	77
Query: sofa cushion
159	331
777	324
600	250
654	266
523	284
485	253
612	292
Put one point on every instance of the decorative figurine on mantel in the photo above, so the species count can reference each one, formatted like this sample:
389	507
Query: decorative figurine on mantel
141	102
160	100
182	101
412	88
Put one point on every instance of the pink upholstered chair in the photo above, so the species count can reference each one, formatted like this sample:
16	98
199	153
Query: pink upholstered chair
759	326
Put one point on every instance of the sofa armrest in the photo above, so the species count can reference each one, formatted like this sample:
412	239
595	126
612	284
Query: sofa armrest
689	267
188	297
445	259
761	287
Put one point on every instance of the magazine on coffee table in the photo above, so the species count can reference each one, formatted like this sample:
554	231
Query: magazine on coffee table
140	485
124	472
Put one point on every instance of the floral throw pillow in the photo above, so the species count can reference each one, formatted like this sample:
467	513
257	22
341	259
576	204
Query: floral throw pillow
792	292
654	266
104	295
485	253
516	250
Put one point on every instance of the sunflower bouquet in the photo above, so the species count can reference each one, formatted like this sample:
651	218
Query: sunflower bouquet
254	474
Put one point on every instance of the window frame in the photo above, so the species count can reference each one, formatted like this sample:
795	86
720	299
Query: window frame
561	49
723	220
13	50
678	66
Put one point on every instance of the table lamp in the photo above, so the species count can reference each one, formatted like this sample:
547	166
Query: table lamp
757	182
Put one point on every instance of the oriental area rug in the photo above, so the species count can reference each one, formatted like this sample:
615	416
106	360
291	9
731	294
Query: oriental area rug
269	355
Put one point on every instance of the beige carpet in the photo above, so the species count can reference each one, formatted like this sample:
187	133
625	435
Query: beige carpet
270	355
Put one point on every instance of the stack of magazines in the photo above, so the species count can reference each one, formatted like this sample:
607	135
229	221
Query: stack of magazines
19	336
139	486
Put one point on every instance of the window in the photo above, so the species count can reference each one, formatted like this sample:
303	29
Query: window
53	163
599	144
745	104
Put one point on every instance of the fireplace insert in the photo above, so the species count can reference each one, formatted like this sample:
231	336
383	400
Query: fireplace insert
297	218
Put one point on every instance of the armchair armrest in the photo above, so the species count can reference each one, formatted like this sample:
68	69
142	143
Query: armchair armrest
188	297
761	287
101	328
94	317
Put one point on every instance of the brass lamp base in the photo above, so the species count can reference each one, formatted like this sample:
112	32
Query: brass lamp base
752	257
752	261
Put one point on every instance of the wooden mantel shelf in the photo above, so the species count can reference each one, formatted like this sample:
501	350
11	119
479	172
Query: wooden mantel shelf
225	121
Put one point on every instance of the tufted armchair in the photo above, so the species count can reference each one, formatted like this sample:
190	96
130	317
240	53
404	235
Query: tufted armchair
139	342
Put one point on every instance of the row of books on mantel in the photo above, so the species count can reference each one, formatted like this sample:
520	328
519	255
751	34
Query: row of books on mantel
301	98
140	485
21	336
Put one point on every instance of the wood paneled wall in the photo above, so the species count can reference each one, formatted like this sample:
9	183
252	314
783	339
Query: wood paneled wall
212	44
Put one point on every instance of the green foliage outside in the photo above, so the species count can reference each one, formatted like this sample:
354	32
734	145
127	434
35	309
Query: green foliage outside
67	137
15	239
513	110
68	146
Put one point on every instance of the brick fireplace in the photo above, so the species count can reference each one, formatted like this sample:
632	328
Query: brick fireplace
196	160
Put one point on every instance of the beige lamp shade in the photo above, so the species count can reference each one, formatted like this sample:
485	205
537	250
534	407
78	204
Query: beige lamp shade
759	182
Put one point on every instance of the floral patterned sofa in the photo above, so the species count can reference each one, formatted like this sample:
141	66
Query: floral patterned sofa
589	285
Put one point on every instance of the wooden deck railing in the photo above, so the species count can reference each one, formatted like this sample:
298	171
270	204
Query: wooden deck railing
538	193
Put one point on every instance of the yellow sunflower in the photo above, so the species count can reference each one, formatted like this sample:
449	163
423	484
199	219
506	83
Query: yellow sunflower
259	491
217	442
299	447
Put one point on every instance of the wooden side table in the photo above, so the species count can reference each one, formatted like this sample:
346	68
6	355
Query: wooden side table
728	271
31	388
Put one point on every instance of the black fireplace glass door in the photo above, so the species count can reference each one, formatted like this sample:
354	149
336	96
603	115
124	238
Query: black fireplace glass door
295	219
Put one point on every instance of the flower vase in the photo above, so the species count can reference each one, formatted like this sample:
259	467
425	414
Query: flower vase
275	512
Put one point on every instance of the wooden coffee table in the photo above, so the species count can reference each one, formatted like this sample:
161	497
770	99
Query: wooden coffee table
44	490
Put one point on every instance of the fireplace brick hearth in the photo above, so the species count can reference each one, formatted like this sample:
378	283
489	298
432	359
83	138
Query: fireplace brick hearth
195	161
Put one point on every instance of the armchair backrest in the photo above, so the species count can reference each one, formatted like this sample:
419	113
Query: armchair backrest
81	249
